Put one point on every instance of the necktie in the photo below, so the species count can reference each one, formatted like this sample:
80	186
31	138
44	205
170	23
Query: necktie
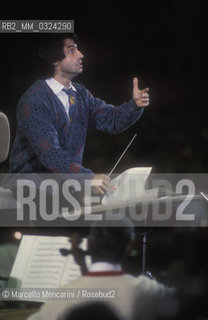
71	97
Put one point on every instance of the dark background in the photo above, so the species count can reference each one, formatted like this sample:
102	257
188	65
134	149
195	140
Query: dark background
161	42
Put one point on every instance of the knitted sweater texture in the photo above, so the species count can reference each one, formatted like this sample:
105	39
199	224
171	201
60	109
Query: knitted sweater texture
47	142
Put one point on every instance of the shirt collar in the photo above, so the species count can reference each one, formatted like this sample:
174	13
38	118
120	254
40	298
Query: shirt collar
56	86
105	266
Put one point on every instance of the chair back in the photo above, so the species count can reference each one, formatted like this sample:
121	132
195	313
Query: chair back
4	137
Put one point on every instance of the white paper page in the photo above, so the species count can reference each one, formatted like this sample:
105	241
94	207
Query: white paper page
39	263
72	270
22	257
130	185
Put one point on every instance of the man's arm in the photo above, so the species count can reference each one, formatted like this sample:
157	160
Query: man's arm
111	119
37	126
106	117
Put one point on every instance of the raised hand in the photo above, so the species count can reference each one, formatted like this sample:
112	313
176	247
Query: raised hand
141	97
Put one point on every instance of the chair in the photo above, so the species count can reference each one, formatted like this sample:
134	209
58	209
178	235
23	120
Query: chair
4	137
7	200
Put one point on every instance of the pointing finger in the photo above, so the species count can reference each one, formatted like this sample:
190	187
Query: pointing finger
135	82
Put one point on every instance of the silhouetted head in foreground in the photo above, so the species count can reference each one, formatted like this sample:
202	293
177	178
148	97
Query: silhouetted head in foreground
110	243
92	311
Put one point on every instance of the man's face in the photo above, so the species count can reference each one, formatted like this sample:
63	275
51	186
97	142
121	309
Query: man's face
71	65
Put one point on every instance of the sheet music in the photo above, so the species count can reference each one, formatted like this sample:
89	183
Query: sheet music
39	263
22	256
72	270
130	185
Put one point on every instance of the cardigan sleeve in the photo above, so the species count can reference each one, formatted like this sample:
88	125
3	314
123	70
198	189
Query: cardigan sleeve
110	118
37	125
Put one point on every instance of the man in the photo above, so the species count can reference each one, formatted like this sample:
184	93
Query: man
132	297
52	122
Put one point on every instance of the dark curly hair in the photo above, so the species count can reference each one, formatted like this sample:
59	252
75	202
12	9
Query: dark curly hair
51	49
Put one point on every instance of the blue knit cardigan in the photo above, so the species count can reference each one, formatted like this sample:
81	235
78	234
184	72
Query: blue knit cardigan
47	142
